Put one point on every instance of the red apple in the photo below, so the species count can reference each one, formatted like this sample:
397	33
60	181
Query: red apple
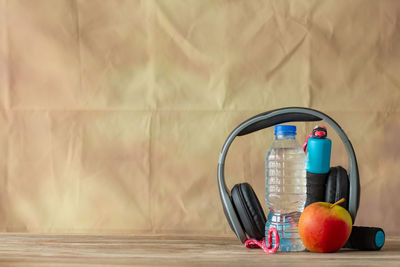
325	227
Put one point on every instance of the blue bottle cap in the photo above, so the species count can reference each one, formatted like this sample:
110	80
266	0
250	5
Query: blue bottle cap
285	130
379	239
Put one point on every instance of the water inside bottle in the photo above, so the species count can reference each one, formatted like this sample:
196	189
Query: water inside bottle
286	190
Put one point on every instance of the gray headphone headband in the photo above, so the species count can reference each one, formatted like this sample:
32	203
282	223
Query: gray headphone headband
271	118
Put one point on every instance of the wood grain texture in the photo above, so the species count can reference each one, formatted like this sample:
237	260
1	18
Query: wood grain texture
122	250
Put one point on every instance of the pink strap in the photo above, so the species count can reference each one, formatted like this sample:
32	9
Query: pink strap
267	247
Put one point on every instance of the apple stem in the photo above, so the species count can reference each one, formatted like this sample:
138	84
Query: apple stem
338	202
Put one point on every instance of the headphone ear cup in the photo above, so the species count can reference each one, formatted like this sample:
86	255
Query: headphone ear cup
330	191
337	186
249	210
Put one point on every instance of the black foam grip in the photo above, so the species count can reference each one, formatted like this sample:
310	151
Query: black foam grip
364	238
282	118
315	187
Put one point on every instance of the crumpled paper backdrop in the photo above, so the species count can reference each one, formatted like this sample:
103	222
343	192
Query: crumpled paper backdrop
113	113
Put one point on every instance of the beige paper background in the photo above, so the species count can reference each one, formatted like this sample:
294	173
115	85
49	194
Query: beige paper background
113	113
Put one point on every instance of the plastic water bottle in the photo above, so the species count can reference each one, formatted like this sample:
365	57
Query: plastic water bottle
285	186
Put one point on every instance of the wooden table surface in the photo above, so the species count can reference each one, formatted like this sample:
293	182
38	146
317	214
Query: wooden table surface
123	250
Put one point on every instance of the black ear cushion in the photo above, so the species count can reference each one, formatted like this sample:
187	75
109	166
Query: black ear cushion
330	191
337	186
342	187
249	210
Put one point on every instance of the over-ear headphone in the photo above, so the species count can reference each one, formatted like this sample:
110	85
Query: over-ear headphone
242	207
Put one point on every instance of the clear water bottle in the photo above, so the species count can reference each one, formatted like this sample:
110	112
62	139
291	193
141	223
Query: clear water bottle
286	186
